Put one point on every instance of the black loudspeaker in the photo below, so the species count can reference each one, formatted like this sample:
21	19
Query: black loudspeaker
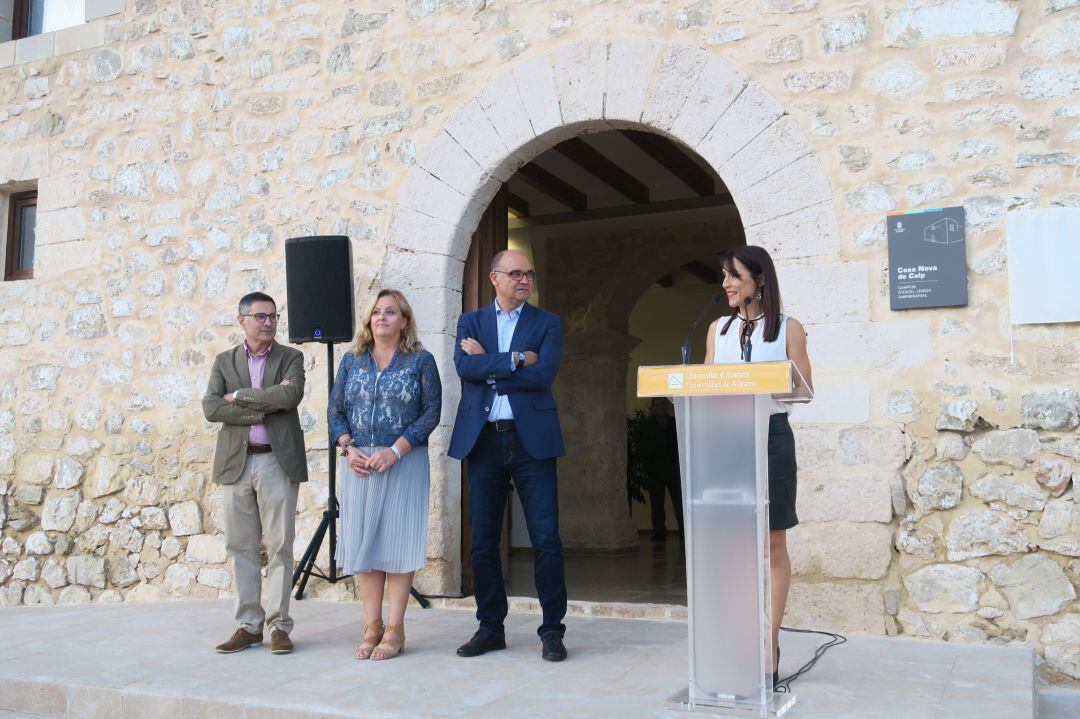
318	274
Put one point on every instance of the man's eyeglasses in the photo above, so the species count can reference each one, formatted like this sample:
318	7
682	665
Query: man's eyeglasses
518	275
264	317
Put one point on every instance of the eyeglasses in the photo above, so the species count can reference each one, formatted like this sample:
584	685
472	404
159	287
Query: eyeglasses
263	317
518	275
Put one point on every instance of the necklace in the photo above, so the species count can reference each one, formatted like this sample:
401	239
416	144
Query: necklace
744	319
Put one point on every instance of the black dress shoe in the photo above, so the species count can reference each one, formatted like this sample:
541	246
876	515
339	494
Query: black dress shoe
481	643
554	650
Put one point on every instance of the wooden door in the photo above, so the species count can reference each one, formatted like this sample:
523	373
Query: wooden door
489	239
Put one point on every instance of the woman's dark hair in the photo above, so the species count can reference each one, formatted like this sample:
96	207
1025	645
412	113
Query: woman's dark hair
761	267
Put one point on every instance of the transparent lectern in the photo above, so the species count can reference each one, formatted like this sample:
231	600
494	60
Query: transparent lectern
722	417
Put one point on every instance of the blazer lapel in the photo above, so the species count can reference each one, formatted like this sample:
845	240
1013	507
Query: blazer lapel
240	364
273	362
489	328
524	323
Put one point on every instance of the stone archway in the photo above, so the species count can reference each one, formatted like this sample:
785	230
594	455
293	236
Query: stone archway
690	95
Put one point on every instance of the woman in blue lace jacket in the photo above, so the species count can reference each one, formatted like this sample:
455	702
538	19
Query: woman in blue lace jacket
385	402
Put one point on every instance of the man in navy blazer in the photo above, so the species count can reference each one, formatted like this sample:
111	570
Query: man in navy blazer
507	429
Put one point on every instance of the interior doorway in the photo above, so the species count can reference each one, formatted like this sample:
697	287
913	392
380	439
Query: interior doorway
625	229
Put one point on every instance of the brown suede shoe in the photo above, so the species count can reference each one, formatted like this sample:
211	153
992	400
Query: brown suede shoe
241	639
280	642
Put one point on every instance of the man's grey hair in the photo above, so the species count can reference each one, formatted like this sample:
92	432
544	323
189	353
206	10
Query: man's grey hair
248	300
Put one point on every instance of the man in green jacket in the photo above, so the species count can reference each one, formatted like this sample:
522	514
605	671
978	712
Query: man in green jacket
260	460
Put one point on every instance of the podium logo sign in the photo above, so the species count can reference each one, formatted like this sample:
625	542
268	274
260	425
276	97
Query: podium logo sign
927	259
706	379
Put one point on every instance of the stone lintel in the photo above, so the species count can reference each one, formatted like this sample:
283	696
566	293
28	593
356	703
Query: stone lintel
103	8
79	37
35	47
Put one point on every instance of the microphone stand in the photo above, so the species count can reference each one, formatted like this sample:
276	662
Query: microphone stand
689	335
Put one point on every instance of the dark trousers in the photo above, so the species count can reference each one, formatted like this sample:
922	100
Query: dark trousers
498	458
663	482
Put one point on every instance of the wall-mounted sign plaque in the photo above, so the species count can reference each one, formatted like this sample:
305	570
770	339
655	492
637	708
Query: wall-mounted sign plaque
927	259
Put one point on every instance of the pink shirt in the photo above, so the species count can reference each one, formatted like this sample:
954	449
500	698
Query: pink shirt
256	367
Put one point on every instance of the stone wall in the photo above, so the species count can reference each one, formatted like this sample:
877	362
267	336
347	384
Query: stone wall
173	162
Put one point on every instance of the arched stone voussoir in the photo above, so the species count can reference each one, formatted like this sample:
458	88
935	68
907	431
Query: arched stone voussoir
718	86
680	67
799	185
748	116
580	69
535	78
423	192
777	146
501	101
413	230
470	127
436	310
634	60
810	232
444	158
410	270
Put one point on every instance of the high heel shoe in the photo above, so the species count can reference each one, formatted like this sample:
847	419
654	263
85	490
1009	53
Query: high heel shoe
391	647
373	634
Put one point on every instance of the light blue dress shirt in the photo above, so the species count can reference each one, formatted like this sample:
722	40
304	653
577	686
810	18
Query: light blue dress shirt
505	322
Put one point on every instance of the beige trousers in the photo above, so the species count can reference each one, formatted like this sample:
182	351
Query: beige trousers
261	506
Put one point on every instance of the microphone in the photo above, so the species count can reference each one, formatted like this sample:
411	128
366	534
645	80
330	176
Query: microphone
745	346
689	335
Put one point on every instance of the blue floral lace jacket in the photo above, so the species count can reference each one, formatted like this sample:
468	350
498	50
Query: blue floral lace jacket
376	408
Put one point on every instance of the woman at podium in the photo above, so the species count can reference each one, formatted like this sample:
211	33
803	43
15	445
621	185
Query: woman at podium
758	331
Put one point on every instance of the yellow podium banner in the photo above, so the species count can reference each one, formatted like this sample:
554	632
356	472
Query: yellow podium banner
707	379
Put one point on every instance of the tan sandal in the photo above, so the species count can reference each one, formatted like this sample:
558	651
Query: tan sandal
391	647
373	634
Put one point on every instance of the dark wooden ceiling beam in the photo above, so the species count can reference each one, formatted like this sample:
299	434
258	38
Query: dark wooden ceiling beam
702	271
517	204
602	168
676	161
631	213
554	187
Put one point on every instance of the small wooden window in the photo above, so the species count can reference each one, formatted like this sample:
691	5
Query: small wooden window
28	17
20	19
22	222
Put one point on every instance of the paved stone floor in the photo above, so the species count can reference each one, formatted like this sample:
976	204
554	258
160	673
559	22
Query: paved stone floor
155	660
655	572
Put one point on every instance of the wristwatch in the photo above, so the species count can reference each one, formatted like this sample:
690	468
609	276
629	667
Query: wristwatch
519	358
345	448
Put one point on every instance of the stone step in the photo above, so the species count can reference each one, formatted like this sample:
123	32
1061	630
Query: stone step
144	661
1058	703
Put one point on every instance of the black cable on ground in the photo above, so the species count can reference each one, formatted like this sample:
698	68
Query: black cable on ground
422	599
834	640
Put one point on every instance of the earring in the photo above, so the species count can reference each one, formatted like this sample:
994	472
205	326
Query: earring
758	296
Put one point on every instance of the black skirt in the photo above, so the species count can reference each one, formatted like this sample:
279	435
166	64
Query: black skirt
782	471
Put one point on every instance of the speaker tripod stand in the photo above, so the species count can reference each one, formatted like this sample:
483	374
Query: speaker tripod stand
306	568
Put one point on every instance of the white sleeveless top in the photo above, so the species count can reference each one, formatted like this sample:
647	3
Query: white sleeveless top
726	348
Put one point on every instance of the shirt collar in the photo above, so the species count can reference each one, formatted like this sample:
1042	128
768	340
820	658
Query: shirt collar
262	354
512	314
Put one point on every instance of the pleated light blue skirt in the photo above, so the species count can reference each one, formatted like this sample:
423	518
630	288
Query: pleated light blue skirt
384	516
